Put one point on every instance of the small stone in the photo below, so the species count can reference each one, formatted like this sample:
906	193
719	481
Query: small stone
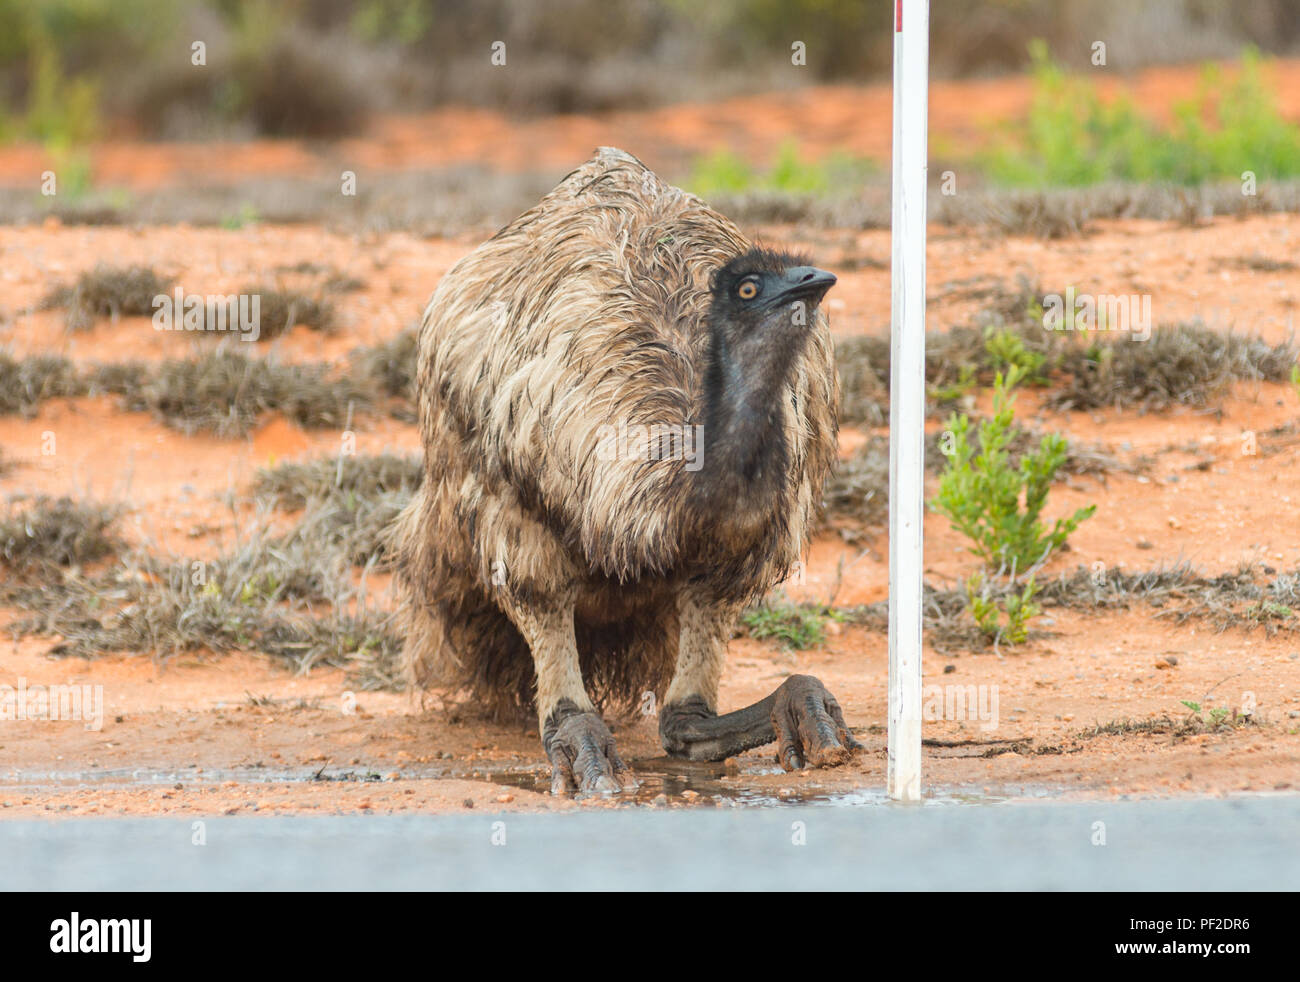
505	799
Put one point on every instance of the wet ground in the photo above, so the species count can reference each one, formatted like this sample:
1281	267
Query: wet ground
664	782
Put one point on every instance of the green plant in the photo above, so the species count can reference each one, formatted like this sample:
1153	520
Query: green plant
1249	132
403	21
247	215
1006	349
951	393
1074	137
61	111
726	172
1295	378
794	625
1002	617
1268	610
1217	718
995	505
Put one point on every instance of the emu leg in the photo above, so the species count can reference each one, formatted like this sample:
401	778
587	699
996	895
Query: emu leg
801	716
577	742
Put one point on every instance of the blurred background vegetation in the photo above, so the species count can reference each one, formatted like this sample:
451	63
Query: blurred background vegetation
74	71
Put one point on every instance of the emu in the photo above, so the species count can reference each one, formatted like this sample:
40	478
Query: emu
627	412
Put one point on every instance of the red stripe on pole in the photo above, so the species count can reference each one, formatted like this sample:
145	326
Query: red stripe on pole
898	15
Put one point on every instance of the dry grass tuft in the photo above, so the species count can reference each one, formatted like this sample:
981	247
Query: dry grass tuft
108	291
27	382
53	533
226	393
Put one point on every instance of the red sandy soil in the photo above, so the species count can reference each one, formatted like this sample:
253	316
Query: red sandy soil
200	729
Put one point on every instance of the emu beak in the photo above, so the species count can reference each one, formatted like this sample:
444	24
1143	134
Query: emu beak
805	283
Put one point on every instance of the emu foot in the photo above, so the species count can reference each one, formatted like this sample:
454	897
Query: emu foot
582	753
809	725
801	716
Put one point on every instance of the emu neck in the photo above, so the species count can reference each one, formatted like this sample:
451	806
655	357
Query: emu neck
745	452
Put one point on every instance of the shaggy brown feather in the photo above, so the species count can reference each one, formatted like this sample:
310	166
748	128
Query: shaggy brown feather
589	311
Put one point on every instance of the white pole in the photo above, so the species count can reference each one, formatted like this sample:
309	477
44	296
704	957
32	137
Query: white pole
907	395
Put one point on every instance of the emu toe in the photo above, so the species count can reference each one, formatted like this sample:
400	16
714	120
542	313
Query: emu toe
583	756
809	725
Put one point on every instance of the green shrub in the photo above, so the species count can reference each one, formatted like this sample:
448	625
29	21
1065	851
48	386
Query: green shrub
726	172
1073	137
1006	350
1249	132
998	506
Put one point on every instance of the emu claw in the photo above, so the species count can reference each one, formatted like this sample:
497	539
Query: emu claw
809	725
582	754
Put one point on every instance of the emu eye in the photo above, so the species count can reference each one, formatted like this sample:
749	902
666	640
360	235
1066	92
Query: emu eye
747	290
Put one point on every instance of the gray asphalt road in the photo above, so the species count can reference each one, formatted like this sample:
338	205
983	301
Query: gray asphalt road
1224	845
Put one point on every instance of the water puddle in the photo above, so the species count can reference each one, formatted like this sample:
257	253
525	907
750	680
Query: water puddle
669	782
665	782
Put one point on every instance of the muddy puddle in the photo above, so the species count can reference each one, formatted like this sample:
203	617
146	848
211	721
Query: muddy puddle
663	783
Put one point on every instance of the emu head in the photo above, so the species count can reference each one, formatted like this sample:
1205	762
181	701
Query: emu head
762	308
764	299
